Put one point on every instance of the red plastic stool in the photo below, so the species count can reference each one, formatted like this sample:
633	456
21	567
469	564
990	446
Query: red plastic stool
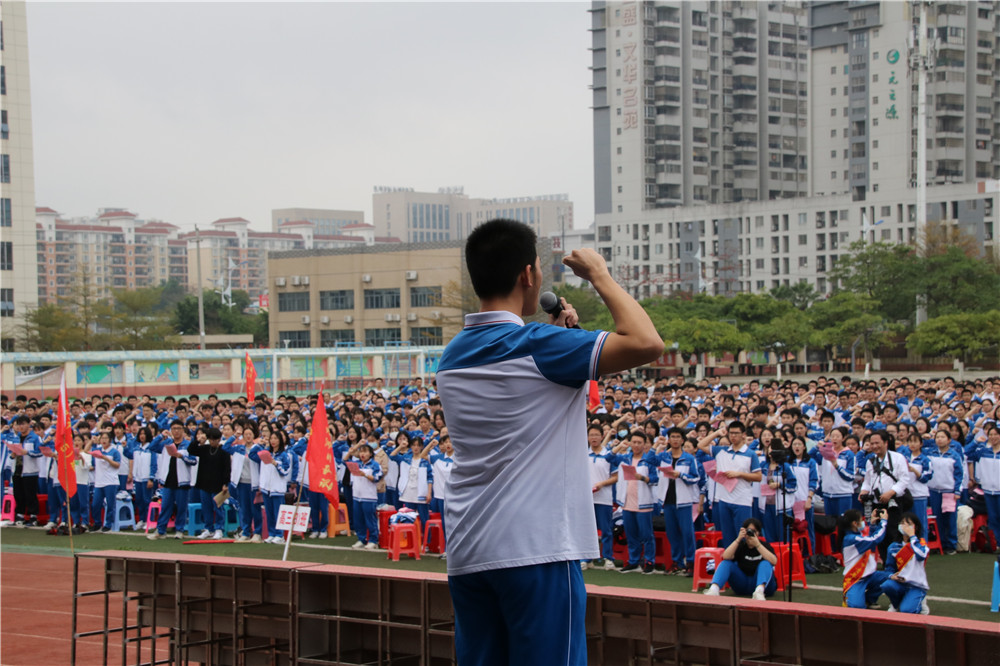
9	511
708	538
933	542
662	544
43	508
825	547
781	550
383	526
702	556
982	536
434	535
404	539
801	539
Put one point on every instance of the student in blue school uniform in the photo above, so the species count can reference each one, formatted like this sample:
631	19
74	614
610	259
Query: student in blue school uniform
781	479
244	478
274	479
678	492
637	500
121	442
106	460
442	464
862	581
807	482
365	494
143	472
947	480
731	508
985	461
602	478
173	474
416	477
25	484
836	476
907	585
921	473
79	504
319	516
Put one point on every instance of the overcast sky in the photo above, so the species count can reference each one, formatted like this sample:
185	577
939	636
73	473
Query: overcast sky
193	112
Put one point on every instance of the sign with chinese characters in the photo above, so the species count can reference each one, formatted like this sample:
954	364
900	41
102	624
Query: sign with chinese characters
890	113
285	518
630	67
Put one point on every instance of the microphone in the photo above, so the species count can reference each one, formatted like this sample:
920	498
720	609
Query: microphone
552	305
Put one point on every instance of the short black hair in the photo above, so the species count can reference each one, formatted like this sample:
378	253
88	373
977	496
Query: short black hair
496	252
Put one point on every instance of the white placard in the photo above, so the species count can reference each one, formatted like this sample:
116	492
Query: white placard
285	518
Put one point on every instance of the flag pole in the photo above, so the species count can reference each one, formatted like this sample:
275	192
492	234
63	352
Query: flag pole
295	511
69	524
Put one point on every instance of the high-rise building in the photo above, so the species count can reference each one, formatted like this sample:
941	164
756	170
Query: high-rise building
817	97
324	221
698	102
114	250
448	214
18	269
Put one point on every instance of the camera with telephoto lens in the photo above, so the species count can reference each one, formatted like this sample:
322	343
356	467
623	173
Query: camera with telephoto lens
779	456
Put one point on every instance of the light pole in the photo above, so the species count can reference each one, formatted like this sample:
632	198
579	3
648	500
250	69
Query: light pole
201	297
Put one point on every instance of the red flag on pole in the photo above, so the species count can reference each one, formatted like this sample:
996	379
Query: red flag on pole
251	377
64	444
593	397
319	456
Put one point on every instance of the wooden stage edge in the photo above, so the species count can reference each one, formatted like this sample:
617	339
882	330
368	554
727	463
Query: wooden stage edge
225	610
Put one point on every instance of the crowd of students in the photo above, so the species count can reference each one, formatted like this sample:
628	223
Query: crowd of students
784	455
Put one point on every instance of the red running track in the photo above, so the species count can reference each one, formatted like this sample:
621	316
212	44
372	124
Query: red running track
36	615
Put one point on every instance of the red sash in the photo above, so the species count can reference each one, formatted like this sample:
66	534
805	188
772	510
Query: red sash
904	556
855	573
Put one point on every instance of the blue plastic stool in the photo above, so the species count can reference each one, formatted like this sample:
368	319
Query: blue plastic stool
124	515
995	603
195	523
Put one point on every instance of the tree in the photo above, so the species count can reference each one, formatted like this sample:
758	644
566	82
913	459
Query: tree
964	336
889	275
702	336
50	327
955	282
801	294
137	326
219	318
842	319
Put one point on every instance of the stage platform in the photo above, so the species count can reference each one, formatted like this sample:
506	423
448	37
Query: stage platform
219	611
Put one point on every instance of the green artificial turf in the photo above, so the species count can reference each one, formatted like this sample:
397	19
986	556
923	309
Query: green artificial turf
966	576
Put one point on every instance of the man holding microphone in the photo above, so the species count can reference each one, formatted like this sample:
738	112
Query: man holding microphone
516	585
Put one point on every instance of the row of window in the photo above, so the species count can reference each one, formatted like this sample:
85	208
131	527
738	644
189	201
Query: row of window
374	337
374	299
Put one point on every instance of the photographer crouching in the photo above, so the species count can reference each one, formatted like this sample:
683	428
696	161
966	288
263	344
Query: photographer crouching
747	565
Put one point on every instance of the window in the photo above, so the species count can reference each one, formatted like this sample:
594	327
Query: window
339	299
6	256
4	168
4	129
293	302
425	297
381	299
333	338
803	262
803	239
377	337
5	215
833	133
6	302
426	336
296	339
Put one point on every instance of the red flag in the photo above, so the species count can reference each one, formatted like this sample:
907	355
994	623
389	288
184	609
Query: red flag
251	377
593	397
65	456
319	456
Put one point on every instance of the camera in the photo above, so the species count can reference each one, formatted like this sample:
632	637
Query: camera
751	532
779	456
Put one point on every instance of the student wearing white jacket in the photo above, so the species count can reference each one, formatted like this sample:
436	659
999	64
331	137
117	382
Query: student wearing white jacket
244	480
638	501
678	491
274	478
173	472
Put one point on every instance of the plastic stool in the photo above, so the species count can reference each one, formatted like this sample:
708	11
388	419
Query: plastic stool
801	539
195	522
341	522
781	550
824	546
982	536
434	536
708	538
43	508
232	517
404	539
9	511
383	526
702	556
662	545
124	516
933	542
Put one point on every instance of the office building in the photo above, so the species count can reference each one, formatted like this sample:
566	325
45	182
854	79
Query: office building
448	214
844	153
324	222
18	269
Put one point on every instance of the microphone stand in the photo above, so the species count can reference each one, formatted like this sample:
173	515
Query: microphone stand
786	526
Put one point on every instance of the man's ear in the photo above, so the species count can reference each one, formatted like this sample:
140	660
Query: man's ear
527	276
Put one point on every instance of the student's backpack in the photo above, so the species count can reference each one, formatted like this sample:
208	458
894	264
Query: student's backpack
825	524
820	563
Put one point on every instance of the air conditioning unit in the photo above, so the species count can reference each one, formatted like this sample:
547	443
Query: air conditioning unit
349	319
306	320
411	275
392	317
296	280
324	320
279	282
305	280
366	278
412	316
